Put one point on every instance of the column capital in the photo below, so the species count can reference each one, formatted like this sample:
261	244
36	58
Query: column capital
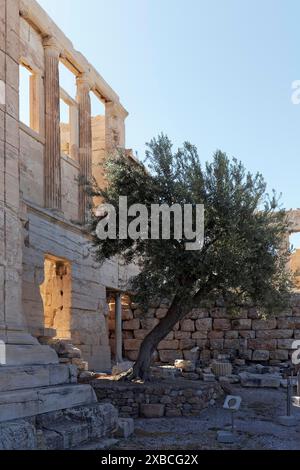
24	11
51	46
84	82
116	109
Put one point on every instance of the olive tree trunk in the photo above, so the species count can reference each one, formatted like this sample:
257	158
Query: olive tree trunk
176	312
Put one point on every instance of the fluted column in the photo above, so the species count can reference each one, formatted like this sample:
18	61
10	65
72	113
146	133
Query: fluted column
17	346
85	143
52	170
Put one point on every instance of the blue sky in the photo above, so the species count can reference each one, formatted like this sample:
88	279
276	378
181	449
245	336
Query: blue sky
215	72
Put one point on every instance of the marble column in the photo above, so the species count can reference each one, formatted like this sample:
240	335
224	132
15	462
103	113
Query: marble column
52	126
17	345
85	144
118	327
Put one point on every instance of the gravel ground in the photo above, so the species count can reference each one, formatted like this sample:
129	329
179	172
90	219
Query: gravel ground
256	426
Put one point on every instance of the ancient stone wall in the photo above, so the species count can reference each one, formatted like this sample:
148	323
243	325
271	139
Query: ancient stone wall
204	333
54	156
171	399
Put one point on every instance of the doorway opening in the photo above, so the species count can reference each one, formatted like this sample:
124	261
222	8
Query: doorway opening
56	295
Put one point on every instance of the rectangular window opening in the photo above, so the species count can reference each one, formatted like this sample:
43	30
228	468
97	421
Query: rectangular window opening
29	97
65	129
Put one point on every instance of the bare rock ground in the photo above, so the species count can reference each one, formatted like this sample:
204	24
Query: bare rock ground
256	426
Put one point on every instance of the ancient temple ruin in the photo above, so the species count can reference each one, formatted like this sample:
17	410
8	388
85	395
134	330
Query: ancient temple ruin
58	308
50	287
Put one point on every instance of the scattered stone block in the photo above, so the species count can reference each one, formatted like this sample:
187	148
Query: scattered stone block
231	379
259	380
164	372
122	367
221	368
152	410
185	365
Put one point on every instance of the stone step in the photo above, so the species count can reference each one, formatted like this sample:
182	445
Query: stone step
65	435
30	402
78	426
84	427
23	377
27	354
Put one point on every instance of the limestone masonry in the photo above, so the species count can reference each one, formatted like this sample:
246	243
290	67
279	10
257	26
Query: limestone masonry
60	311
206	333
51	290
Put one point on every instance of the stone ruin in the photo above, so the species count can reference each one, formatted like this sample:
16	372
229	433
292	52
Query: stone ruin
52	294
206	333
60	312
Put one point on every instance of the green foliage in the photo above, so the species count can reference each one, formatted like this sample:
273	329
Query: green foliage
242	259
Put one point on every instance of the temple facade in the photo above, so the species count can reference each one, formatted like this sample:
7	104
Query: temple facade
51	289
